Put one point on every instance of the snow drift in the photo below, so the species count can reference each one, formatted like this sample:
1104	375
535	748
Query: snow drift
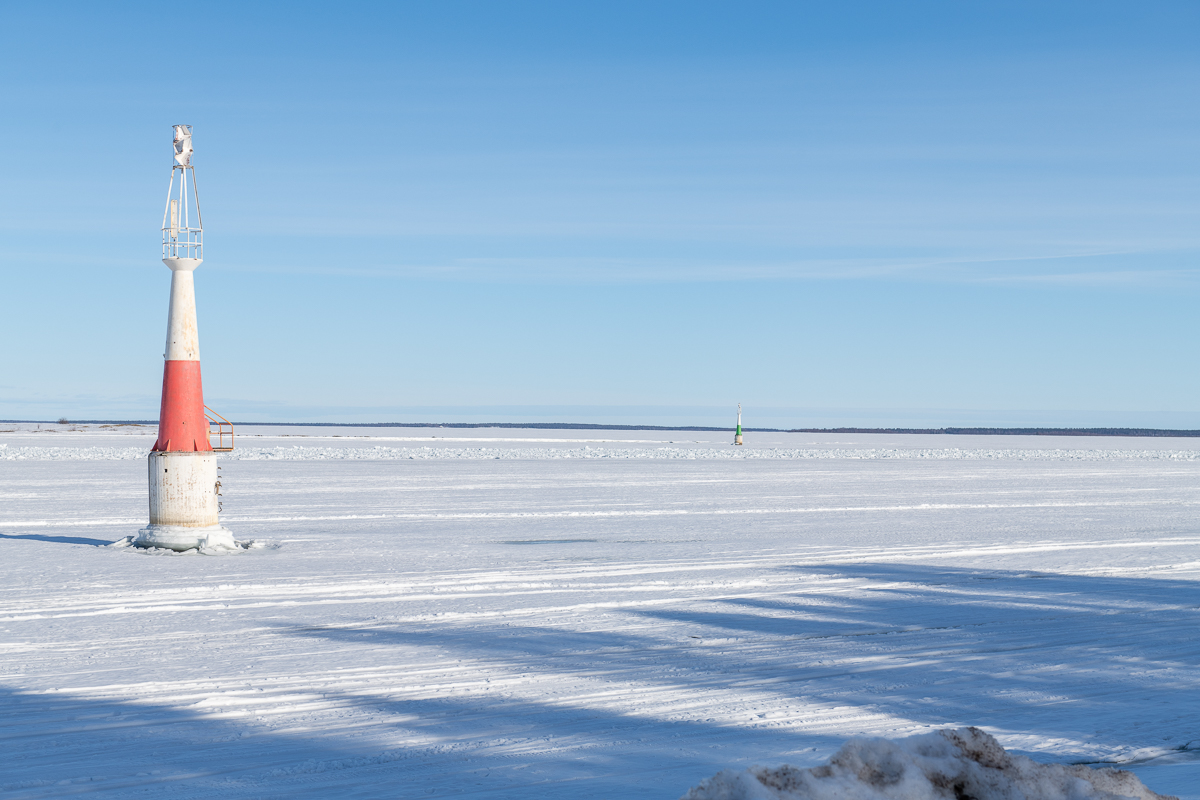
962	764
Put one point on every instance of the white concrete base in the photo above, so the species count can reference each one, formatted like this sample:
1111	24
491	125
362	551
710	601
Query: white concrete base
175	537
737	440
183	489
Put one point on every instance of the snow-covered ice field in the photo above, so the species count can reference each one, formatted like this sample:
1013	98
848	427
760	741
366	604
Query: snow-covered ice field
584	614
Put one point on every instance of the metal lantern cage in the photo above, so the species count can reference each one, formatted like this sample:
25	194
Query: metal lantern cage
180	238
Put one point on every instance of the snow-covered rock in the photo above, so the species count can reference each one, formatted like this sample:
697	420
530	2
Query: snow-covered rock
962	764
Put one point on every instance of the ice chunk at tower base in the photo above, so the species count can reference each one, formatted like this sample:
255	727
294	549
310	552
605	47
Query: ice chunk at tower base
962	764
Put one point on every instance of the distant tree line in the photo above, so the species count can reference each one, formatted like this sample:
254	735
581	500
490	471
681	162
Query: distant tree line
1011	431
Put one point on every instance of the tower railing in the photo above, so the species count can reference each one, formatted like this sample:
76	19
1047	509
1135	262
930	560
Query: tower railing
223	428
183	243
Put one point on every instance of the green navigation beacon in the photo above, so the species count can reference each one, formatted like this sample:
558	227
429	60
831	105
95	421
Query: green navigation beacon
737	436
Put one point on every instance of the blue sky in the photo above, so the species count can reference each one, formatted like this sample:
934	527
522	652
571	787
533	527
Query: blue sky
841	213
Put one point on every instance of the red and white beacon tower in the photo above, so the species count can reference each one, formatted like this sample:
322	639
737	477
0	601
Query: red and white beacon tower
184	486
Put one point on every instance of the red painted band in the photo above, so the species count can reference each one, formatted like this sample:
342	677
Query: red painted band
181	421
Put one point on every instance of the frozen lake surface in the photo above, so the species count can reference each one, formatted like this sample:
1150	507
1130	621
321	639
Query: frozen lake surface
591	614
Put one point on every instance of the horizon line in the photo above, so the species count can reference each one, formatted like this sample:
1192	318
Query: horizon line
950	431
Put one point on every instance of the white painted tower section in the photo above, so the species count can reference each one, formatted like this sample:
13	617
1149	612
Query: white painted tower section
183	334
184	484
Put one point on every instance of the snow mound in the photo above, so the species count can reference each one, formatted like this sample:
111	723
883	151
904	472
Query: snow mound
206	548
962	764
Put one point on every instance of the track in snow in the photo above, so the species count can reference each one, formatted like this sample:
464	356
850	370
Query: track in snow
591	628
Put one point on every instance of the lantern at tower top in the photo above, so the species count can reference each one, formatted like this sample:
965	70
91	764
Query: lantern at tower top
183	145
182	242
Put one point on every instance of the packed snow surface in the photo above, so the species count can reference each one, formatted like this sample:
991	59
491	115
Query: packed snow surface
541	624
963	764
